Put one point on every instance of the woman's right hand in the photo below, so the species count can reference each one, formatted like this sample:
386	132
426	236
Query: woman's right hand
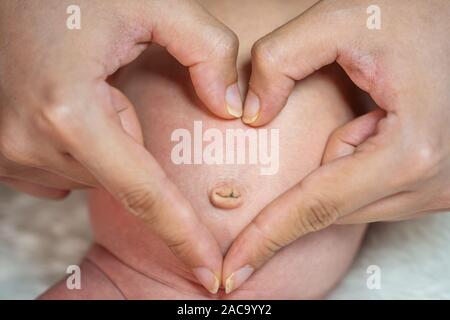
62	126
391	164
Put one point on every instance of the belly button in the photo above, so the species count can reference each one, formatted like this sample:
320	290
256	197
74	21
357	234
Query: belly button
227	194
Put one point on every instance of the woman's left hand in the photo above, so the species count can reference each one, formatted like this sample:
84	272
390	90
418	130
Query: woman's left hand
386	165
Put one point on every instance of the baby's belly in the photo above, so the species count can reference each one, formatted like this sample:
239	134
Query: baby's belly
194	148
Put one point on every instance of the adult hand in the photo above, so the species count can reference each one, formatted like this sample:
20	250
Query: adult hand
388	164
62	126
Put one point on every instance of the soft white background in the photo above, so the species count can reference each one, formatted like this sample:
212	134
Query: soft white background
39	239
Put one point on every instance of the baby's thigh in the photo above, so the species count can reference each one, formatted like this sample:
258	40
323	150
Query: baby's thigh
93	284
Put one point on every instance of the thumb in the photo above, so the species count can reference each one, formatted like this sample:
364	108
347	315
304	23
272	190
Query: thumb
332	191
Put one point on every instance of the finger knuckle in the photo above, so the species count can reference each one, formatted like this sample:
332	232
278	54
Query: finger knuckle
227	43
421	164
263	53
317	213
61	122
57	116
141	201
268	246
180	247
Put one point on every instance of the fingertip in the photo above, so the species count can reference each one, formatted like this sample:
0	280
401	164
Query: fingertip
237	278
233	101
252	108
236	258
262	108
237	267
222	100
208	279
201	253
127	115
345	139
216	84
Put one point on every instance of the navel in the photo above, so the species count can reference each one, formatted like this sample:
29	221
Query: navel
227	194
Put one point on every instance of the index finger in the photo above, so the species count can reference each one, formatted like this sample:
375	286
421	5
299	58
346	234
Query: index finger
129	172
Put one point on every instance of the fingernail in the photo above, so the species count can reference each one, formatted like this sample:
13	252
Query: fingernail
252	107
237	278
207	279
234	101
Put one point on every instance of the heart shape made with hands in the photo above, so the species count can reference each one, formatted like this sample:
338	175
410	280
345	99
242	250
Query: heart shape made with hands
383	166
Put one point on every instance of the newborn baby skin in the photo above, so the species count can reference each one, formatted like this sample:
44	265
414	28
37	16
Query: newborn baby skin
127	261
